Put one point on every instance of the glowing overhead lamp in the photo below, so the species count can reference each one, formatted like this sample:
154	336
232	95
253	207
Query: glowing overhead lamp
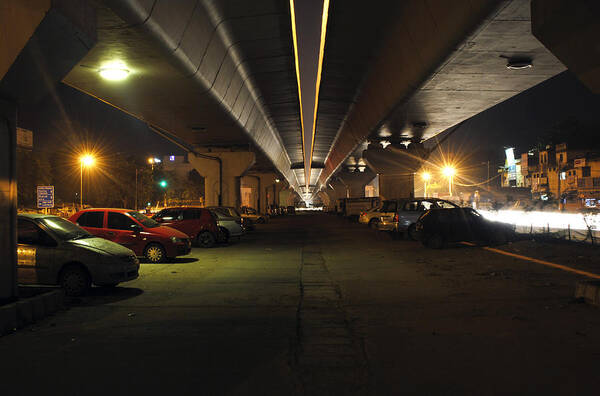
426	176
385	143
87	160
449	171
115	71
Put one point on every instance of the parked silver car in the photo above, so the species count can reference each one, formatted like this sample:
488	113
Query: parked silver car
53	251
228	225
407	214
247	224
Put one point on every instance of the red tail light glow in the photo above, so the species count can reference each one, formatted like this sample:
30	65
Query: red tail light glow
396	218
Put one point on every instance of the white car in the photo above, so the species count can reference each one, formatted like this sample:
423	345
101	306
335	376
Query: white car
373	216
229	226
409	211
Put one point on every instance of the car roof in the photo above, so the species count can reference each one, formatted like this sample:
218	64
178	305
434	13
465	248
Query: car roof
111	209
33	216
183	207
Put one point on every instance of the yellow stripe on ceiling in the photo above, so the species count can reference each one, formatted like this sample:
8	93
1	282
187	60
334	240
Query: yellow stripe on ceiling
321	54
293	15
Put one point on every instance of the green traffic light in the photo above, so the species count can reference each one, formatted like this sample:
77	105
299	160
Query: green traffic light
163	183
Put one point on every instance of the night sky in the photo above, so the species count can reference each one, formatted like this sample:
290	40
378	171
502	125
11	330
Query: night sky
67	117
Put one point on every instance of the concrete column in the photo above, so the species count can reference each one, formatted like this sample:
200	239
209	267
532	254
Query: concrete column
221	171
252	182
8	202
40	42
396	168
355	182
396	186
267	182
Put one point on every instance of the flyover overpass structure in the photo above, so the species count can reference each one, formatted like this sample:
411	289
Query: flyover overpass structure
301	85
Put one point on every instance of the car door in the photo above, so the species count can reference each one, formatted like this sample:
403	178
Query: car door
169	217
408	214
36	251
190	222
120	228
93	222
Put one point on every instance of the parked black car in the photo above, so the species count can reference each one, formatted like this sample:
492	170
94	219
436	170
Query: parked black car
436	227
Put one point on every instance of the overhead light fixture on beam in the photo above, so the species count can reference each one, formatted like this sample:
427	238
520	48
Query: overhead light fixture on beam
114	71
519	63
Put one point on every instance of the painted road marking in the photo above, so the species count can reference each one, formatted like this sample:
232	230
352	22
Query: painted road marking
538	261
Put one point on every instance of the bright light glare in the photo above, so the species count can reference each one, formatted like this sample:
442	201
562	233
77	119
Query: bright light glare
87	160
449	171
554	220
426	176
150	160
114	71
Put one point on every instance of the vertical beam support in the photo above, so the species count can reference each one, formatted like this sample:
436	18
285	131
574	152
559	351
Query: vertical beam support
8	201
225	185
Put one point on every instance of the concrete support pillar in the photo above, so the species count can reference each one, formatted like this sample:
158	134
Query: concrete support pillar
40	42
221	172
268	190
396	168
396	186
8	202
355	182
251	182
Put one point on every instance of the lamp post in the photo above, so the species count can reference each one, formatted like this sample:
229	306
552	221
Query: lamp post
86	160
426	176
449	172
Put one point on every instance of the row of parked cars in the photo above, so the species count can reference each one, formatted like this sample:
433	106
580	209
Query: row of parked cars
102	245
435	222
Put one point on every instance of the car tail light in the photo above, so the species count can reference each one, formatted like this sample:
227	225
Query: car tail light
396	218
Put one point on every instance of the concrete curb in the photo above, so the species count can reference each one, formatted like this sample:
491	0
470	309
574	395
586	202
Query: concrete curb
589	291
29	310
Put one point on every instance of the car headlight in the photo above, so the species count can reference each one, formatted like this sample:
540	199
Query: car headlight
176	240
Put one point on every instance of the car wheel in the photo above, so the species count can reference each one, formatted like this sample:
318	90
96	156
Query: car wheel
155	253
225	234
435	242
412	232
206	239
373	223
75	280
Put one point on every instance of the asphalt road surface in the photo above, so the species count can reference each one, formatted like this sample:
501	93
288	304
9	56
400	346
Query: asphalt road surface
312	304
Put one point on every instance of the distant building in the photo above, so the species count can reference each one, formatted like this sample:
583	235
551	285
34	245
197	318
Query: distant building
562	172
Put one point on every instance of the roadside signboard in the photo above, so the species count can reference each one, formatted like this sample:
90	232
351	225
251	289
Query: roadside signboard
45	196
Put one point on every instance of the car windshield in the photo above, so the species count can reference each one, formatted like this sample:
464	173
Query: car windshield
64	229
146	221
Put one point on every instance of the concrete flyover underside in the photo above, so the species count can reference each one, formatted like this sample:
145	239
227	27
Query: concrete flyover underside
438	64
210	73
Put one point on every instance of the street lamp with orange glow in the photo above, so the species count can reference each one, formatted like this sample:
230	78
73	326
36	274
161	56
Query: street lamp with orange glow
449	172
426	176
86	160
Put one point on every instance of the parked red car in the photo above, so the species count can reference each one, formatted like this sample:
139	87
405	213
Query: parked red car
199	223
135	231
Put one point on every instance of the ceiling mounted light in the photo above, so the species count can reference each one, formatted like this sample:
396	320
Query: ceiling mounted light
362	168
114	71
385	143
519	64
